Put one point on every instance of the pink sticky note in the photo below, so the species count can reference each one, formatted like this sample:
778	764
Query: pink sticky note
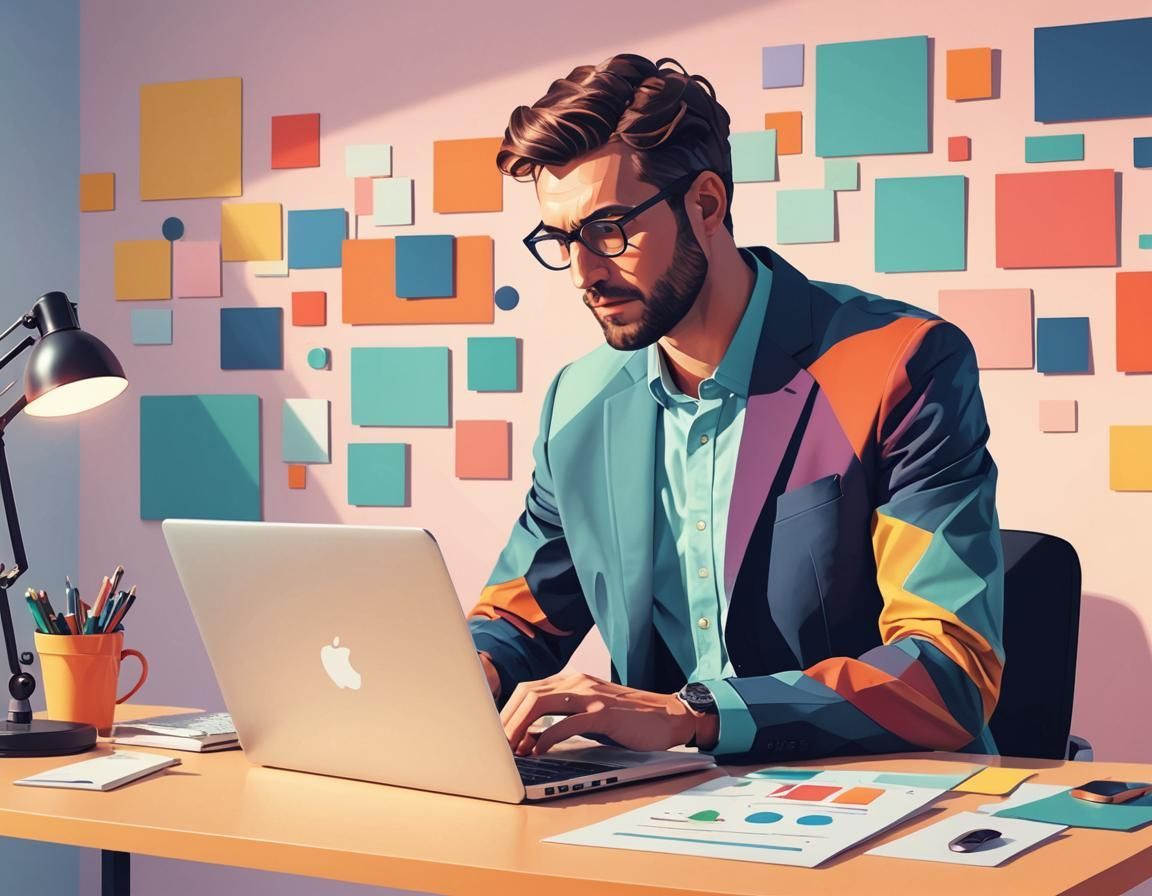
364	190
998	321
196	268
1058	416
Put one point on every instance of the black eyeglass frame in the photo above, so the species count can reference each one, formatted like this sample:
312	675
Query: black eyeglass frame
678	187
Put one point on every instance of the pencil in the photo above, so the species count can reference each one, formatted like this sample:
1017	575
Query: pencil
105	591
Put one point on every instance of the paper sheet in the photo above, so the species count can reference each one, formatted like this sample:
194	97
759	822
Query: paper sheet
930	844
995	781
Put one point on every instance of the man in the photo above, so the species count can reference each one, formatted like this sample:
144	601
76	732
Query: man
771	495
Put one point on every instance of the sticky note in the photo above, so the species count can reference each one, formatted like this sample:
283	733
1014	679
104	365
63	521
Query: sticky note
368	160
277	268
392	201
483	449
1056	219
196	268
309	309
783	66
190	139
1054	148
297	476
959	149
364	189
921	223
425	266
98	192
789	131
1142	152
251	231
493	364
1145	241
753	156
319	358
1091	71
872	97
1130	454
1063	808
841	174
805	216
251	338
1134	321
296	141
315	237
151	326
200	457
997	321
465	177
1057	415
401	386
1063	345
995	781
305	433
378	475
368	291
172	229
507	298
970	73
142	269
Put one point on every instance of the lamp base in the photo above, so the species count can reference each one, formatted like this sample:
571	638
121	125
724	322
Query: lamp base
44	737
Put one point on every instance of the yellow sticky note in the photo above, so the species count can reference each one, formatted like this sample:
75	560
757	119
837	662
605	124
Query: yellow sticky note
251	231
98	192
1131	456
142	269
994	781
190	145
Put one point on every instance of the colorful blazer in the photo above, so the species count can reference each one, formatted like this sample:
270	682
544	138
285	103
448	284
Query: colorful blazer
863	566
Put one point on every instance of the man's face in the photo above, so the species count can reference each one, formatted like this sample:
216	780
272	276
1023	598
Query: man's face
639	296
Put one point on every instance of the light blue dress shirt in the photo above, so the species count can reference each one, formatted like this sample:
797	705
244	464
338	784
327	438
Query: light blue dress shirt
697	442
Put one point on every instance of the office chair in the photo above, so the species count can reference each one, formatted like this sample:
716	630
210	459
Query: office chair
1041	629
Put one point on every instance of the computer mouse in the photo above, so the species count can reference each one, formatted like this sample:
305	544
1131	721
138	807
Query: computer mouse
973	840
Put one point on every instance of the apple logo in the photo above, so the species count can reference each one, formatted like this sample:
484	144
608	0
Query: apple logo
339	668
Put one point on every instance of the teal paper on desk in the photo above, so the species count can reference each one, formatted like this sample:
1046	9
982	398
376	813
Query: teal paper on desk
1065	809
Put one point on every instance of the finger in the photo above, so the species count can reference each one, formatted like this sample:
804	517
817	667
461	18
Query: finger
581	723
534	705
521	691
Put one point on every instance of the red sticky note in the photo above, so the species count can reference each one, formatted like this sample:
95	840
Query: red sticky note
364	193
959	149
309	309
297	476
1134	321
1056	219
483	449
296	141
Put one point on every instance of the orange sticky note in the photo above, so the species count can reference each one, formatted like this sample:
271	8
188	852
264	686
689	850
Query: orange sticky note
483	449
1056	219
142	269
98	192
465	177
296	141
251	231
789	132
970	74
297	476
1134	321
309	309
959	149
858	796
1130	453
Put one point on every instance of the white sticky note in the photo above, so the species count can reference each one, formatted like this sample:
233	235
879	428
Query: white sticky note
930	844
368	160
270	268
305	434
391	201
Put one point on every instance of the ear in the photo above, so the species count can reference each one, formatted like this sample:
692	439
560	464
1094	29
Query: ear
710	201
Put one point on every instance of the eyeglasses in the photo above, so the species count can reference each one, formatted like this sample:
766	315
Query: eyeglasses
604	237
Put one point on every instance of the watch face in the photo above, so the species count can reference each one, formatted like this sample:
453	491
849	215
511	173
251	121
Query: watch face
698	696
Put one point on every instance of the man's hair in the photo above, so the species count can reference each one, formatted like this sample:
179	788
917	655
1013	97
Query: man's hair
670	118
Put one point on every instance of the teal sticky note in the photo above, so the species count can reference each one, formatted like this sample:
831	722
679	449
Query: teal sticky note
921	223
1063	808
1054	148
1146	241
753	156
405	386
939	782
493	364
316	237
151	326
378	475
805	216
841	174
200	457
785	774
872	97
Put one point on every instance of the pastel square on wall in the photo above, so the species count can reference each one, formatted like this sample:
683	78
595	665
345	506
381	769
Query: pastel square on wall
1058	416
1130	454
305	432
378	475
296	141
368	160
98	192
425	266
783	66
465	177
309	309
1144	241
200	457
151	326
142	269
1093	70
401	386
196	268
483	449
392	201
789	128
753	156
805	216
1054	148
1063	345
921	223
493	364
1056	219
251	338
959	149
1142	152
970	74
1134	321
251	231
841	174
363	191
997	321
297	476
315	237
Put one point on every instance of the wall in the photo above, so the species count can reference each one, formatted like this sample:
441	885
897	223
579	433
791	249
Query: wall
382	73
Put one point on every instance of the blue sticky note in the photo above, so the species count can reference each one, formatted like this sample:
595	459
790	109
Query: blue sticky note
1063	808
921	223
200	457
402	386
425	267
1054	148
841	174
805	216
753	156
783	66
1063	345
251	338
1142	152
151	326
872	97
493	364
378	475
1095	70
316	237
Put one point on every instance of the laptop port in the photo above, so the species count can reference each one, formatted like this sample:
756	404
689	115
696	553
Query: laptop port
563	788
594	784
576	787
610	780
548	791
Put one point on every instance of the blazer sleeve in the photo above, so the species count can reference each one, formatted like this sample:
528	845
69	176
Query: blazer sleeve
532	615
934	681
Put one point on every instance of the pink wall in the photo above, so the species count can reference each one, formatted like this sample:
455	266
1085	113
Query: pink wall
436	70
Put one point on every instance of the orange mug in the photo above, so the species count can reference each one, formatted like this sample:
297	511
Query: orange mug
80	674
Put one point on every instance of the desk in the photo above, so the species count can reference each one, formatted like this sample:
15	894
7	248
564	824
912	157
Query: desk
217	808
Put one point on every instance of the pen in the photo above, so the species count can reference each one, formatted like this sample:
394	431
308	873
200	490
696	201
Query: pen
110	607
81	611
122	611
117	573
34	609
70	621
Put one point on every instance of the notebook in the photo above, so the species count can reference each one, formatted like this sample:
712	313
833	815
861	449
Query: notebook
196	732
103	773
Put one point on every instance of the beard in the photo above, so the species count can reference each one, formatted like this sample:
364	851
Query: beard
672	296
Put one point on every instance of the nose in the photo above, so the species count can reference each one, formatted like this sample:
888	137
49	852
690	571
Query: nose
586	266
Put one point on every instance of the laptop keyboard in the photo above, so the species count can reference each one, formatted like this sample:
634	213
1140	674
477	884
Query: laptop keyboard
544	769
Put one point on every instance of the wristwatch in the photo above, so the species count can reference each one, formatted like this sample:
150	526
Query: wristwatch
697	697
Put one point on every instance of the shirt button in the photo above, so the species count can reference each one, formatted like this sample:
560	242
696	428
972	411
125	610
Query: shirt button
702	572
701	525
703	622
703	440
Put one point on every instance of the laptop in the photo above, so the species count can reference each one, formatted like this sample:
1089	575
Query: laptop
343	650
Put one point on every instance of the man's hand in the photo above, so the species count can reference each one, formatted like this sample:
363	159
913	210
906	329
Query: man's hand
638	720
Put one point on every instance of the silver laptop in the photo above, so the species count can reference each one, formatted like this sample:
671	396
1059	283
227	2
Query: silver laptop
343	650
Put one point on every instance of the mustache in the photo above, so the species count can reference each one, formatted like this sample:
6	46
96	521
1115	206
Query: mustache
610	292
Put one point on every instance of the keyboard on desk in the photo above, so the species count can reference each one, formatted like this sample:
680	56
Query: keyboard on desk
545	770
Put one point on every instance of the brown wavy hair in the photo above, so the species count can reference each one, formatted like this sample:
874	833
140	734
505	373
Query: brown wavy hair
671	119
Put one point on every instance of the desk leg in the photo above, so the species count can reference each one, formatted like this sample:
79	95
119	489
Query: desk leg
115	873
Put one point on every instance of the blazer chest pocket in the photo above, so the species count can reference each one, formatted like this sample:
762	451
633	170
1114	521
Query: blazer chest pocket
808	497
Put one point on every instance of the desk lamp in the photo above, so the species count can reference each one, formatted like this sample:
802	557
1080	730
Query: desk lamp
69	371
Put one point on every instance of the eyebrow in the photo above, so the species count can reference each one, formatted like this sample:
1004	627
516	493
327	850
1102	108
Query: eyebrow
604	212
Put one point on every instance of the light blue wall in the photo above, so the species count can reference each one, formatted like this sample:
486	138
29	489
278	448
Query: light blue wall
39	249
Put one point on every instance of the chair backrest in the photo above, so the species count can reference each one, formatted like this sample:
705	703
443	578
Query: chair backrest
1041	629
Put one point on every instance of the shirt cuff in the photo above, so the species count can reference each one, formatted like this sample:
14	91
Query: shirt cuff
737	728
